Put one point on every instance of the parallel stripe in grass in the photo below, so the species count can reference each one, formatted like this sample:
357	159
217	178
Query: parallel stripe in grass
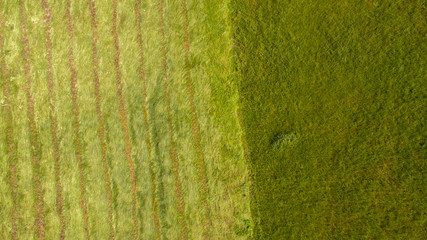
53	118
146	124
202	172
10	138
123	119
172	150
76	124
40	222
101	131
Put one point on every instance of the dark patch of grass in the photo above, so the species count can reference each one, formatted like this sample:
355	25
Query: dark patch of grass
349	78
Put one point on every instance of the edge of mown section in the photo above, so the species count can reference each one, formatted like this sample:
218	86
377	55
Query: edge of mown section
224	81
238	62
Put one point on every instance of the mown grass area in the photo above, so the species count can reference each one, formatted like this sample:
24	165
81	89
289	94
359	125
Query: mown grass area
341	87
104	143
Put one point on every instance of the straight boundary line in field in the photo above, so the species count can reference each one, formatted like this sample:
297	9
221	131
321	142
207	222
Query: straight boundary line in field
10	139
201	164
40	221
123	119
53	119
172	150
76	123
143	79
101	130
247	158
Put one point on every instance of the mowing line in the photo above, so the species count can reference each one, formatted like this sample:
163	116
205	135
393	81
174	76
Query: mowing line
203	179
101	131
40	222
172	150
10	139
76	123
53	119
146	124
125	127
247	158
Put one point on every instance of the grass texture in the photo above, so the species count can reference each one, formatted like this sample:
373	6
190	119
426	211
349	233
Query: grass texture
111	127
184	119
348	79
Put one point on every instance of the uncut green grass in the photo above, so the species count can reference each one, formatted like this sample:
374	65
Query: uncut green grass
211	71
349	78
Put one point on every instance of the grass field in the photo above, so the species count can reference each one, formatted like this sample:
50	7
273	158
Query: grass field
110	129
341	88
239	119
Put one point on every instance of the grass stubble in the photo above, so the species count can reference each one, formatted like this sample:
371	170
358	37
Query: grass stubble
200	160
10	138
76	123
101	130
123	120
40	221
53	119
143	79
172	149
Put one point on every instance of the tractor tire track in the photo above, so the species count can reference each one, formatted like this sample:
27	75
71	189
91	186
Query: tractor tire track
76	123
123	119
143	79
202	174
172	150
10	138
53	119
101	130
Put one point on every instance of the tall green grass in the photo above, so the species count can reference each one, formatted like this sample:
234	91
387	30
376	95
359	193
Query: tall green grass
348	78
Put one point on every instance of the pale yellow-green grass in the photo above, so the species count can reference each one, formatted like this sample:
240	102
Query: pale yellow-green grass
215	100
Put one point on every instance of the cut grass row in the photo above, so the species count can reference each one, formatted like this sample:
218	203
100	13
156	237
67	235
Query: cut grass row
53	118
123	119
10	138
76	124
142	75
101	130
40	222
172	151
201	165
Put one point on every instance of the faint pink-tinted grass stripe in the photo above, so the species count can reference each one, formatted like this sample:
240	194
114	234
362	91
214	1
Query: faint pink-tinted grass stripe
172	150
200	158
53	118
141	72
10	138
123	119
76	123
40	222
101	131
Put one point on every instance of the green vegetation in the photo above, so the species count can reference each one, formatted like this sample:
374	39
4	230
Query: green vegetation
237	119
106	157
349	78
